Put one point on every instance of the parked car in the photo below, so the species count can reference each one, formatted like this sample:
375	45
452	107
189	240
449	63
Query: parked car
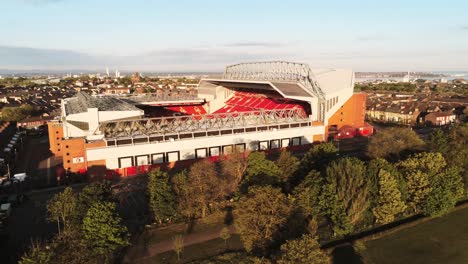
20	176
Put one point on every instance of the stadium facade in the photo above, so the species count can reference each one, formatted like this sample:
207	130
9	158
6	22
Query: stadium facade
254	106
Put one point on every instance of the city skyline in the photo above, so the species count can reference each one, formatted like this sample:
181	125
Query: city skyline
204	36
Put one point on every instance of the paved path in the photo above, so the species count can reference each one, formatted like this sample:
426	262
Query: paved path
167	245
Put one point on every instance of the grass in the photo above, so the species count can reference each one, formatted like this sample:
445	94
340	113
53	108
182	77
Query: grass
198	251
161	234
441	240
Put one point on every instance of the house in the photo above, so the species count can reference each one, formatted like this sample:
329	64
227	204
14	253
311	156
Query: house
440	118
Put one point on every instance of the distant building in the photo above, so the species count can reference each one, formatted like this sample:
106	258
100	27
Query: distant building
440	118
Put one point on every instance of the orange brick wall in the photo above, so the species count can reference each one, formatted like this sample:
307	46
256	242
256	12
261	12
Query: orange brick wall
76	148
352	113
55	137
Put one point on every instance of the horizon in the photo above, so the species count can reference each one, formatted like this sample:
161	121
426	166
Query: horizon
155	36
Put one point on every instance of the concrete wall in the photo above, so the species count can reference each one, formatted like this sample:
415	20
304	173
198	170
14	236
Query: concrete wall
187	147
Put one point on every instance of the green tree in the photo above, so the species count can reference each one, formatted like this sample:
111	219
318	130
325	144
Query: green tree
161	197
438	142
288	165
317	158
91	193
419	170
303	250
347	177
261	171
446	190
307	194
260	215
389	203
393	142
62	209
103	230
458	151
331	207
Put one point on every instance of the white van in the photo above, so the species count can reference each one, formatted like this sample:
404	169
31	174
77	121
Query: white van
20	176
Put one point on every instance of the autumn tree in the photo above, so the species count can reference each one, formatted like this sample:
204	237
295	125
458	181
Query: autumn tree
103	230
198	188
234	167
161	197
393	142
62	208
389	202
303	250
260	215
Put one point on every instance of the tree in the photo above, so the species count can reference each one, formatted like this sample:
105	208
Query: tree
307	194
260	171
15	113
178	245
418	170
233	168
303	250
199	188
438	142
317	158
347	178
260	215
224	234
62	208
331	207
91	193
103	229
446	190
458	151
288	165
38	253
393	142
389	203
161	197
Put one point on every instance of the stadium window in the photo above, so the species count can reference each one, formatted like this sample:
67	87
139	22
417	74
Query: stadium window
285	142
274	143
68	154
126	162
68	161
142	160
296	141
56	132
66	146
227	149
240	147
263	145
200	153
173	156
214	151
157	158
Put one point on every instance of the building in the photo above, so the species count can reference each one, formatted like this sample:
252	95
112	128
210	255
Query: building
255	106
440	118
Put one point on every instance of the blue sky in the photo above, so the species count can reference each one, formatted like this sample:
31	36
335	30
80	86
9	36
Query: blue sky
206	35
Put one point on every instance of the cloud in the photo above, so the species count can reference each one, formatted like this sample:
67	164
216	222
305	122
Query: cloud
255	44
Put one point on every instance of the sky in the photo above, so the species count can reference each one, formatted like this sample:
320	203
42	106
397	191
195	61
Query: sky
206	35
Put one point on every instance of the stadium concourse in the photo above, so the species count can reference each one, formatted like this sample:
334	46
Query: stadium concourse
255	106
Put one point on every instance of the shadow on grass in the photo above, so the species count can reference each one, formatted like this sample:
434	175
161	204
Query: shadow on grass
346	255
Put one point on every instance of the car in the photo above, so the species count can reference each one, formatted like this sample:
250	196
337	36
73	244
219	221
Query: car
20	177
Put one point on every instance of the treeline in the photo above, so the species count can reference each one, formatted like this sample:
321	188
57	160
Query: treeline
397	87
89	228
16	113
283	206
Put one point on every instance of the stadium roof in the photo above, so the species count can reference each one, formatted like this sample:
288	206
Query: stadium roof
83	101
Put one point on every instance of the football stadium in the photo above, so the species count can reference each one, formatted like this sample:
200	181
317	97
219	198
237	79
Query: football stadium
254	106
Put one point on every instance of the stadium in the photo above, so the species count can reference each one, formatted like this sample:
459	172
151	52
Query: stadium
254	106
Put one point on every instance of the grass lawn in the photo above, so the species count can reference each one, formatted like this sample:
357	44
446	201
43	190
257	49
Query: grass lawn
198	251
441	240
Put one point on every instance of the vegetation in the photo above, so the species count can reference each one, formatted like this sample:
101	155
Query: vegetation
392	143
303	250
397	87
103	230
16	113
178	245
260	216
161	197
389	203
62	209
